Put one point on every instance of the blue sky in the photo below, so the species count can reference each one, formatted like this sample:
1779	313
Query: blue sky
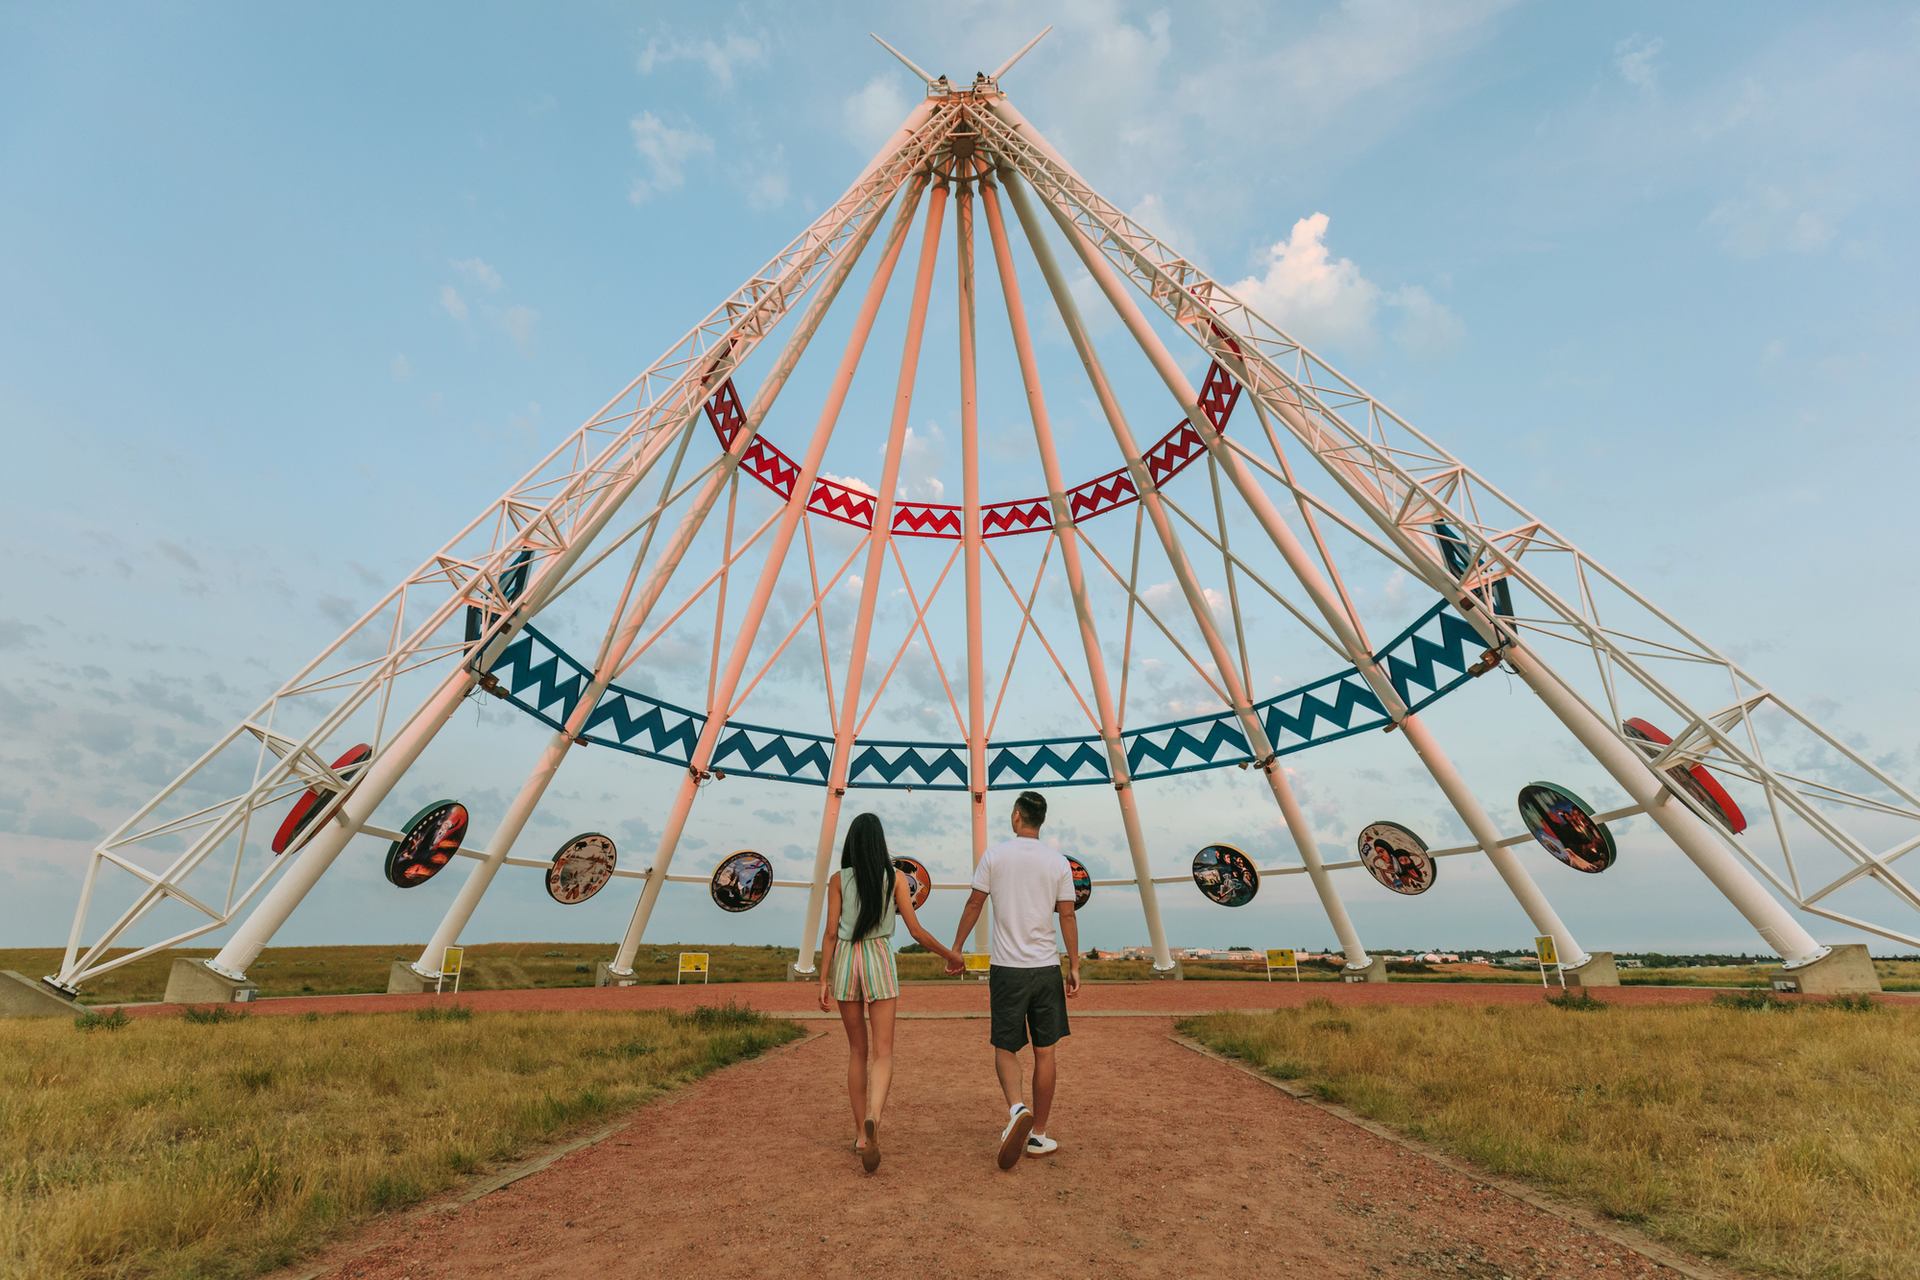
293	292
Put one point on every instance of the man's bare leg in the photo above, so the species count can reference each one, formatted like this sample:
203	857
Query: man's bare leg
1042	1086
1007	1066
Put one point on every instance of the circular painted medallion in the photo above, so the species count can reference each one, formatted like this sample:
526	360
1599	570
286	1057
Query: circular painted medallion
1565	827
1082	882
1692	779
581	868
293	829
919	880
1226	875
1397	858
741	881
426	843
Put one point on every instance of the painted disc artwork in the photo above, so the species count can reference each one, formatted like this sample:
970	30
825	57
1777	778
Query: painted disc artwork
1454	550
741	881
919	880
427	843
581	868
1226	875
1565	827
512	583
1397	858
1082	882
293	830
1692	779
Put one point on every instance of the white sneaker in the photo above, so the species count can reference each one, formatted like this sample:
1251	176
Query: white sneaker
1013	1138
1039	1144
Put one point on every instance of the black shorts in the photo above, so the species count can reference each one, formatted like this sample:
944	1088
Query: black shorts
1027	1001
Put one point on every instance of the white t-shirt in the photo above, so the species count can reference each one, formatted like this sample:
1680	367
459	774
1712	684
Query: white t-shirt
1027	880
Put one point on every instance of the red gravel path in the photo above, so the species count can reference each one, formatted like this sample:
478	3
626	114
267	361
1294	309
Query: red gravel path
1170	1164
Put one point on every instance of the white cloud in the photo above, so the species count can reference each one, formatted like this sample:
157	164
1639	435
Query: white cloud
1318	298
767	185
401	368
1769	219
923	456
1633	59
478	272
452	303
851	482
1426	326
872	112
519	322
721	57
665	150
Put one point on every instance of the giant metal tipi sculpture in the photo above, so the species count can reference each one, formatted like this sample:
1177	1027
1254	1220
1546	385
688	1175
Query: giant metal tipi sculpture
1311	472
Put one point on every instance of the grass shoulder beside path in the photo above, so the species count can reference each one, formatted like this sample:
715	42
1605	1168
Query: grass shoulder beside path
223	1146
1783	1140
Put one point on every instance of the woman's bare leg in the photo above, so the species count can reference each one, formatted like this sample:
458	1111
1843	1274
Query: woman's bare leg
880	1076
856	1027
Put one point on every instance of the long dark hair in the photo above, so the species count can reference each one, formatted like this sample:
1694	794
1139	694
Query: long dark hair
866	852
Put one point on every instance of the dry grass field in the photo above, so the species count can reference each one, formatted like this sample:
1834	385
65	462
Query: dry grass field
1781	1139
212	1147
345	970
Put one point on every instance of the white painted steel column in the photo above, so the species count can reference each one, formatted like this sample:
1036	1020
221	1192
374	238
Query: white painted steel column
1117	765
782	540
1264	758
613	654
404	750
876	568
1539	911
1685	828
970	538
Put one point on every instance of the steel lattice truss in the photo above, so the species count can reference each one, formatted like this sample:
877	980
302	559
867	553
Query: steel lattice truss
1269	423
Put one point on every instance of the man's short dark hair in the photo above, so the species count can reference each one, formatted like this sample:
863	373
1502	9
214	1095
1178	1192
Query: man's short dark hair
1030	808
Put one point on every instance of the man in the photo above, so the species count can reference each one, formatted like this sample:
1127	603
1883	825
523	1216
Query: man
1029	883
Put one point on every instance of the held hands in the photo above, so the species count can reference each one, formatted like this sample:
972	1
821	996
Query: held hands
954	963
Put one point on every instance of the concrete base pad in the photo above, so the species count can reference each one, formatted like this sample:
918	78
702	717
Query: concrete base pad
604	976
24	997
191	982
403	979
1175	974
1374	972
1845	970
796	974
1598	971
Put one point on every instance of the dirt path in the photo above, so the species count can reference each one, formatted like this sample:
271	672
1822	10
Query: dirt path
1170	1164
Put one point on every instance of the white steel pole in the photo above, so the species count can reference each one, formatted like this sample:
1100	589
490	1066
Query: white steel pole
613	655
1544	918
1264	757
883	502
970	545
782	540
393	763
1076	583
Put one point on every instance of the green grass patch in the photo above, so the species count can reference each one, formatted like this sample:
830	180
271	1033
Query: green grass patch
169	1150
1783	1146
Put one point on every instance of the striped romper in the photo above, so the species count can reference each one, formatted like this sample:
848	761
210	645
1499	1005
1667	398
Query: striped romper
863	967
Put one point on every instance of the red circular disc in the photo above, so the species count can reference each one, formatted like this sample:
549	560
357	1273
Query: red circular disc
1693	779
919	880
292	829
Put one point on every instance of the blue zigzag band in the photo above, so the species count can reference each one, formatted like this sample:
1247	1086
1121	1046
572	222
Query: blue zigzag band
1424	663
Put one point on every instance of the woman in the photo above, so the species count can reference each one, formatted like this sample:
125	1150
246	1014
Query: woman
856	969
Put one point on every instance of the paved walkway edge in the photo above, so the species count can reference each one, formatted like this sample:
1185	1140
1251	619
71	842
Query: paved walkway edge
1586	1219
